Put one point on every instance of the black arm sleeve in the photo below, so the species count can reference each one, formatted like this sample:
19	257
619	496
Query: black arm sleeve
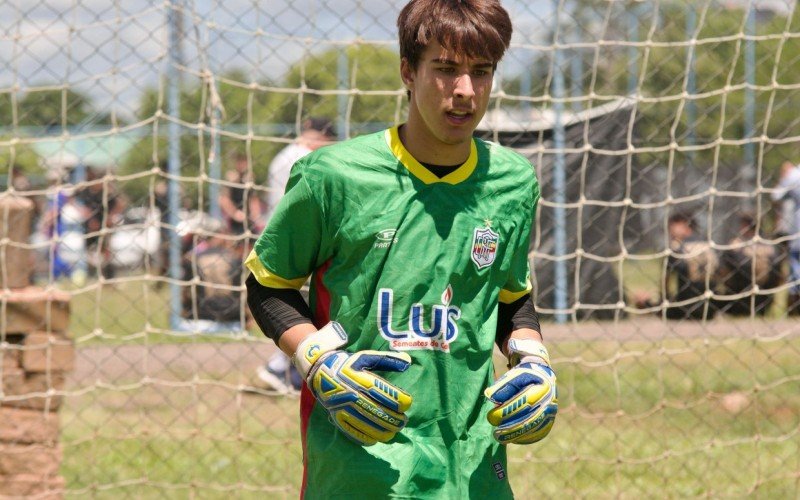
518	314
276	309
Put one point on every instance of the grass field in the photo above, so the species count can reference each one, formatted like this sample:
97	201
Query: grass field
690	416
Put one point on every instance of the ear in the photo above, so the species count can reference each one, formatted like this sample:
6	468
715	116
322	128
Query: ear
407	74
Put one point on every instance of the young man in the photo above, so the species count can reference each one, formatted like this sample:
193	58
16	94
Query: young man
416	240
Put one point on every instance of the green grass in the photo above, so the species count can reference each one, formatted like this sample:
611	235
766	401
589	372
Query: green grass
636	419
132	311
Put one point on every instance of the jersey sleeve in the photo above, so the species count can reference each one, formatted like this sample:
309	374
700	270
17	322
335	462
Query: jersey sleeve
518	283
293	244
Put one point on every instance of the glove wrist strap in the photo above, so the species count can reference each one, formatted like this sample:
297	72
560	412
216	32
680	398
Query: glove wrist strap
328	338
520	350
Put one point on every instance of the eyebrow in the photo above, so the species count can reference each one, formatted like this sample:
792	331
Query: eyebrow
441	60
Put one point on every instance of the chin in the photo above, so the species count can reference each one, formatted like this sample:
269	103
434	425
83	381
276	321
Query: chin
456	140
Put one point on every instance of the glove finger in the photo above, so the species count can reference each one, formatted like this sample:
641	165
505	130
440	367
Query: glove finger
377	415
511	384
377	389
360	430
533	429
349	386
516	379
380	361
521	406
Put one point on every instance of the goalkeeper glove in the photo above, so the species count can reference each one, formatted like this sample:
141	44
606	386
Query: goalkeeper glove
526	396
365	407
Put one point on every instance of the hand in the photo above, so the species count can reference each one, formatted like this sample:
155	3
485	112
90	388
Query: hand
365	407
526	397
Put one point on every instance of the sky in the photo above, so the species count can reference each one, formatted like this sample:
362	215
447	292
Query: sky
115	49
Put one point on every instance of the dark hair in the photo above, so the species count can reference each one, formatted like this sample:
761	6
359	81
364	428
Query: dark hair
747	219
682	217
320	124
479	28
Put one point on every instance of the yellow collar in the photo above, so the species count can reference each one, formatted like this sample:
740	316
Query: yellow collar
417	170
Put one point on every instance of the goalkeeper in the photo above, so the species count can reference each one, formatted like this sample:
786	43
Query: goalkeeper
416	241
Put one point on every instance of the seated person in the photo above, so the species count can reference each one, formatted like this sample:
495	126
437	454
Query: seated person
213	304
748	263
691	270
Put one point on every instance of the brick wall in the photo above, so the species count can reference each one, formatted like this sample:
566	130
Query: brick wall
35	356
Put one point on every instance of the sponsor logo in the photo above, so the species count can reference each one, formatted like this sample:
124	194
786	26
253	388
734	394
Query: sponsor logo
385	238
311	352
484	246
438	335
499	470
378	412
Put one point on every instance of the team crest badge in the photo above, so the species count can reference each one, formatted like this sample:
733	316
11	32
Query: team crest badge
484	246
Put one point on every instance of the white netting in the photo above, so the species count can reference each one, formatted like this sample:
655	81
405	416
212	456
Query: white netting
127	119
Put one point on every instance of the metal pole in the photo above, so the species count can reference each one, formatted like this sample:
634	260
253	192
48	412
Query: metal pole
342	64
559	182
215	172
691	82
749	96
633	36
215	165
576	74
174	159
526	84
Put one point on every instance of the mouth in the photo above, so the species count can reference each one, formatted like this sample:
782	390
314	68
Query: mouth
459	116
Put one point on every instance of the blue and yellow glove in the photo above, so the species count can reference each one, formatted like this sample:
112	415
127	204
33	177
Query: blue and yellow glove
526	396
365	407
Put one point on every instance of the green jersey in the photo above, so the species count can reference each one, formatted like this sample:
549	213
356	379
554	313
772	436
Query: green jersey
410	262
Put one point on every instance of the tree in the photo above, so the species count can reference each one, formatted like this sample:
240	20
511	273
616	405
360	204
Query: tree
52	109
270	114
662	66
369	70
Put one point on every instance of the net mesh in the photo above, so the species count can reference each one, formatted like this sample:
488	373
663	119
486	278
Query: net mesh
136	126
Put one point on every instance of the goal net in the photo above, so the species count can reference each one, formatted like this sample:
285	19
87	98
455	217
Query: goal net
664	136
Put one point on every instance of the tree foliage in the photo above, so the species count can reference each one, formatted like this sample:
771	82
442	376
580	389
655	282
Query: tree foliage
53	109
689	94
272	111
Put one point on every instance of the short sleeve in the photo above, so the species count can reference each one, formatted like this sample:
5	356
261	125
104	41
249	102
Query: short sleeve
518	283
292	245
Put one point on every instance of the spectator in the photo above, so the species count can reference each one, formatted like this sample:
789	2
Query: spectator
213	304
241	218
747	264
316	132
102	207
691	271
60	227
278	373
788	189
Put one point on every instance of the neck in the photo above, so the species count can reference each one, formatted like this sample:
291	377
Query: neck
426	148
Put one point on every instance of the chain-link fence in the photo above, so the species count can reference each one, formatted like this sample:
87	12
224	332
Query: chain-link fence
663	134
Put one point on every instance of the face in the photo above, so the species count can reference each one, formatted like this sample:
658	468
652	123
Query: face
449	96
679	230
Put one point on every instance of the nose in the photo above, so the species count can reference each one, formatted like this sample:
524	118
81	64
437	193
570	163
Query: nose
464	88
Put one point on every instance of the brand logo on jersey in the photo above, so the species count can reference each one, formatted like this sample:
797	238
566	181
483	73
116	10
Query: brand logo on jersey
499	470
484	246
384	238
441	332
